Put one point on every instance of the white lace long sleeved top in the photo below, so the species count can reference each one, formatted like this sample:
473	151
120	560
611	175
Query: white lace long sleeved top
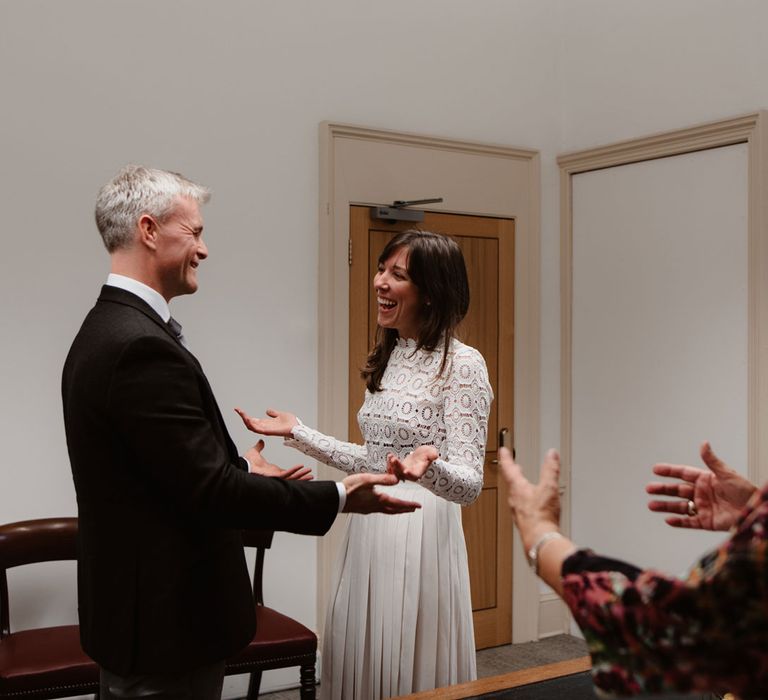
417	407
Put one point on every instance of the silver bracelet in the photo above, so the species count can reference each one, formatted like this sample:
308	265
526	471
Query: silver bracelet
533	552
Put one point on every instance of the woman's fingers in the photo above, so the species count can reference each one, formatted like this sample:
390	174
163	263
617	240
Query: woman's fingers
689	523
715	464
677	471
677	490
679	507
396	467
244	416
550	469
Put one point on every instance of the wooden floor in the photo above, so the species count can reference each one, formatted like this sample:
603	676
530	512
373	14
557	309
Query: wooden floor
504	681
502	662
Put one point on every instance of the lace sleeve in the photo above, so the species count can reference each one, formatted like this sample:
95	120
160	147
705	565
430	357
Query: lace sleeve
458	475
346	456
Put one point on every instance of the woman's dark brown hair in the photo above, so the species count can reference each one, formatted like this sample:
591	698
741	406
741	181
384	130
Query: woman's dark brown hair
436	266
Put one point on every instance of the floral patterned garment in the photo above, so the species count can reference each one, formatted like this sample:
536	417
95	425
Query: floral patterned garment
651	633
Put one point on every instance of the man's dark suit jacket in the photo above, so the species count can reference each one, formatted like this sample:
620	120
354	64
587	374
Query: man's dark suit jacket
161	492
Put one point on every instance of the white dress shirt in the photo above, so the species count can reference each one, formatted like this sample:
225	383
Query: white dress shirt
141	290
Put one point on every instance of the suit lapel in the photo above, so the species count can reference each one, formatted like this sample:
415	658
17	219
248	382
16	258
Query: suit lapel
116	295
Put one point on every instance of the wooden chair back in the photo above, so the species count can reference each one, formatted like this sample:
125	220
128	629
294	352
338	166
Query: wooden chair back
30	542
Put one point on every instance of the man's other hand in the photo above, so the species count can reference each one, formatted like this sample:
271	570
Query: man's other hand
258	465
362	497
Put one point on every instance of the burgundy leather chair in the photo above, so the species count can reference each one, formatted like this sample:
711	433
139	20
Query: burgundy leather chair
45	662
280	641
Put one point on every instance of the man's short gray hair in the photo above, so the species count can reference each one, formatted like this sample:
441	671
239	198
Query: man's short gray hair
135	191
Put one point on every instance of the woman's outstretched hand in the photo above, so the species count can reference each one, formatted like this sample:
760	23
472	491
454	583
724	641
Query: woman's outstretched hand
535	507
414	465
279	422
536	511
258	465
718	495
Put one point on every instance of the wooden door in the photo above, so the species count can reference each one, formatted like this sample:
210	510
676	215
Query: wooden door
488	247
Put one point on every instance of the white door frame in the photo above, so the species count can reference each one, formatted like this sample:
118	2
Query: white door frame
361	165
750	129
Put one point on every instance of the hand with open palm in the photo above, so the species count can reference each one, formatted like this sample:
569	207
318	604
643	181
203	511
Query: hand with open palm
414	465
719	494
279	423
257	464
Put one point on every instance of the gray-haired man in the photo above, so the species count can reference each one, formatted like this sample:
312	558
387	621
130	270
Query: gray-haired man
162	494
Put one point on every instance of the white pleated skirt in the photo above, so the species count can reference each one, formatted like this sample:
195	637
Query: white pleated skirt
400	617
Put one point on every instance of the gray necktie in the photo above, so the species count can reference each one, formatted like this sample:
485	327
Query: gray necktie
175	327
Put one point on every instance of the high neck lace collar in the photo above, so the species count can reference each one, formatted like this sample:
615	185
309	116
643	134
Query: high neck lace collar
407	343
410	345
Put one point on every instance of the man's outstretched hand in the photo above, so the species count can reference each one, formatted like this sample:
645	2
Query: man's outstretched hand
258	465
362	497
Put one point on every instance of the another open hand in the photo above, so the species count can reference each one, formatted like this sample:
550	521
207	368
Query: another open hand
535	506
413	466
279	422
362	497
258	465
718	494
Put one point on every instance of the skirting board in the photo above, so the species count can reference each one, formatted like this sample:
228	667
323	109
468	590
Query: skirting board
553	616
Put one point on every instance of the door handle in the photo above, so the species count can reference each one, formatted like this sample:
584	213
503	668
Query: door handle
503	437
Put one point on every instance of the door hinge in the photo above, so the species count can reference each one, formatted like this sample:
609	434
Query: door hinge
349	252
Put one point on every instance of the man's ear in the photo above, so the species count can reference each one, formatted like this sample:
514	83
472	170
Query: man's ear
147	231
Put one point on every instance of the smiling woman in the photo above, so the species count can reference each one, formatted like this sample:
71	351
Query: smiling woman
415	268
400	619
397	296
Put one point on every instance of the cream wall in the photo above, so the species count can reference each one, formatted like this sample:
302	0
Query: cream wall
659	343
231	93
635	67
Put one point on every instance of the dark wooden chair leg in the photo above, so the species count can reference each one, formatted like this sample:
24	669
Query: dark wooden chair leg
253	685
280	641
307	676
